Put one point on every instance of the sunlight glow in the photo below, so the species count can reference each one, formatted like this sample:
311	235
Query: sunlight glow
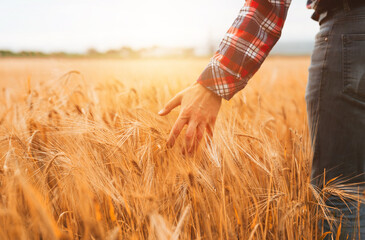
78	25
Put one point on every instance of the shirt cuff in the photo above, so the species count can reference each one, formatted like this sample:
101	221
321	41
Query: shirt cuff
220	81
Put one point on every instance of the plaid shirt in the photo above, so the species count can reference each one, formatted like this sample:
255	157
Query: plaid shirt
246	45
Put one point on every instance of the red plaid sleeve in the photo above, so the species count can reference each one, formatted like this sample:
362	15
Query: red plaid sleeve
245	46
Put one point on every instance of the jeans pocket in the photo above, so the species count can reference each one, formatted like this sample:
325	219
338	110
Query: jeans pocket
353	46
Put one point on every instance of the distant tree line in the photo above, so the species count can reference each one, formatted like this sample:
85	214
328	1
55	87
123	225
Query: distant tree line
7	53
123	52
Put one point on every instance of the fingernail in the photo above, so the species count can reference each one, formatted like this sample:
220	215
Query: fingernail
160	112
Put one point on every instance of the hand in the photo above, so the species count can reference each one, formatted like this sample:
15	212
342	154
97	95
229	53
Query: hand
199	110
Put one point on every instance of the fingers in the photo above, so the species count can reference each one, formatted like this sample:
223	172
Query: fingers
173	103
194	132
210	127
190	134
175	131
198	137
210	130
200	132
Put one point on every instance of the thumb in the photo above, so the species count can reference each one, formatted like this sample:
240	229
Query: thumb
173	103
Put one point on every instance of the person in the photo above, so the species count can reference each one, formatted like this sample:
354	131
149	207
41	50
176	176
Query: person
335	93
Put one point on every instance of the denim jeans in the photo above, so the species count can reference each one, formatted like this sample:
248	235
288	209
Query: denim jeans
351	215
335	97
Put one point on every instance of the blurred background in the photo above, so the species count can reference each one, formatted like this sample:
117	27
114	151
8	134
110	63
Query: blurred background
134	29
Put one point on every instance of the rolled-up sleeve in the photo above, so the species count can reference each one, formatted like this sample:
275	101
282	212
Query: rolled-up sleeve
245	46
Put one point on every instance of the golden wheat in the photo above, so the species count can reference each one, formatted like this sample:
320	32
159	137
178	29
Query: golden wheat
83	154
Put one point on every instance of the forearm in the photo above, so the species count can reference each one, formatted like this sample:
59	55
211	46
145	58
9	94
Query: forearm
245	46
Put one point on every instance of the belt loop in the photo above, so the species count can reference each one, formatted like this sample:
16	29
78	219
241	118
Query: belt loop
346	5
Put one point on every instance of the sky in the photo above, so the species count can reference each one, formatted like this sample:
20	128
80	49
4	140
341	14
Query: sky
77	25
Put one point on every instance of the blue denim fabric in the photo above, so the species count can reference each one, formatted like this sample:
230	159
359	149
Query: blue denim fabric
335	99
351	215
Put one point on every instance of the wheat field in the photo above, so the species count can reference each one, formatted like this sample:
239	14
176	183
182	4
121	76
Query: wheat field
83	155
